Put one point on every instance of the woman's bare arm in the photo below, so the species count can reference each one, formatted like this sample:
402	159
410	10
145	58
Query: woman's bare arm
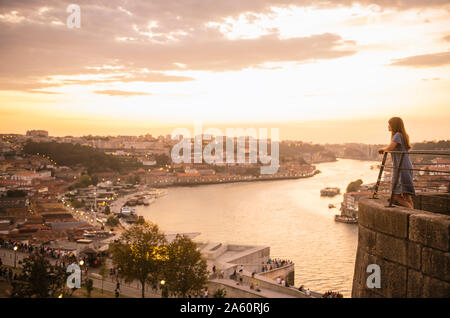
390	147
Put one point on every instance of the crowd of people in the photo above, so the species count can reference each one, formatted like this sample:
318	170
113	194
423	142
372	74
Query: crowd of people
332	294
62	258
305	290
6	273
275	263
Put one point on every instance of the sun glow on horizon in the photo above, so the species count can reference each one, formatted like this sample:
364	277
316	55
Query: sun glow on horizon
332	64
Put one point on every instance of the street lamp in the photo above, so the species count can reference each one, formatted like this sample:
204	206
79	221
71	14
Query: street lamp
164	293
15	248
81	262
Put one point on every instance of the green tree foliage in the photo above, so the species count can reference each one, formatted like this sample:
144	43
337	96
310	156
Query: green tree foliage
140	253
351	152
77	204
354	185
162	159
85	181
89	287
216	168
112	221
255	171
432	145
66	154
298	149
16	193
220	293
134	179
185	271
103	271
39	279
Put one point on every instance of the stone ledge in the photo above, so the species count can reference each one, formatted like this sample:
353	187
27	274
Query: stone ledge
430	229
436	264
411	247
374	214
393	277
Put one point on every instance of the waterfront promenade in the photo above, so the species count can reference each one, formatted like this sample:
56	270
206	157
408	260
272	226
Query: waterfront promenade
133	289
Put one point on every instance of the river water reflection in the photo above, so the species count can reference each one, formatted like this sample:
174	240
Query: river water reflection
287	215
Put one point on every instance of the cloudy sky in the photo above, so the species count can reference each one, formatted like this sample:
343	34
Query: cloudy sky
318	70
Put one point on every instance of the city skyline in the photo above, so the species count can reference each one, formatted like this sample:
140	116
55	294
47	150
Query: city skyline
319	71
370	131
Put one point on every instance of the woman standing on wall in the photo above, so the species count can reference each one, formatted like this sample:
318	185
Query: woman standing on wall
404	189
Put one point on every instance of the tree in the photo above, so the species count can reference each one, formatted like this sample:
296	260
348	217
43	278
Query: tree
76	203
112	221
162	159
103	271
85	181
72	155
134	179
39	279
354	186
16	193
220	293
140	253
185	270
89	287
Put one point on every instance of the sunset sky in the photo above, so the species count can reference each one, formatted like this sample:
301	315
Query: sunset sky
322	71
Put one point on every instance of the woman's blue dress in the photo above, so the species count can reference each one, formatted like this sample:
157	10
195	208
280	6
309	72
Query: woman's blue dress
405	182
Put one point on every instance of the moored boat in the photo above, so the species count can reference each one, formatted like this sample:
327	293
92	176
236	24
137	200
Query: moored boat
330	191
345	219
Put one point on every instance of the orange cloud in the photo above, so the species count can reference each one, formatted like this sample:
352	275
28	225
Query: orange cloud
120	93
424	60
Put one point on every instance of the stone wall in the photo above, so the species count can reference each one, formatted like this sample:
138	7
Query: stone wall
232	291
268	284
257	257
411	247
286	272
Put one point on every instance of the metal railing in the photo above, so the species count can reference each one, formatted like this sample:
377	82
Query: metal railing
425	179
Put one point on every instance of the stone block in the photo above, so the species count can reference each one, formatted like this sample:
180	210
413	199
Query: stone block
363	259
436	264
415	284
434	288
431	230
414	255
437	203
366	239
393	280
391	248
374	215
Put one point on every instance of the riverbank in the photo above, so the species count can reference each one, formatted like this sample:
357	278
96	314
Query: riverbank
290	216
237	179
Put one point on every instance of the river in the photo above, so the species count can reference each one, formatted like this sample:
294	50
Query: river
287	215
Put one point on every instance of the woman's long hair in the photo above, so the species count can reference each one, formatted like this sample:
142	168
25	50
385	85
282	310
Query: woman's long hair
397	125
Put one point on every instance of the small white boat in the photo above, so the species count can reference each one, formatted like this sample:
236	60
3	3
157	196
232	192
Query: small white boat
125	210
149	200
157	193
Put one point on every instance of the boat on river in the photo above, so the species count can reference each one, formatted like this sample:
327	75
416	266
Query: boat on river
330	191
345	219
